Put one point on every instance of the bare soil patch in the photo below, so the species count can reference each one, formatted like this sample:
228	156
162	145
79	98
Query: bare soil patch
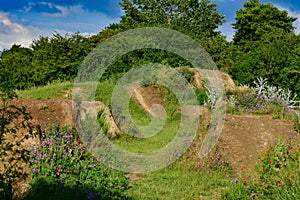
242	138
245	136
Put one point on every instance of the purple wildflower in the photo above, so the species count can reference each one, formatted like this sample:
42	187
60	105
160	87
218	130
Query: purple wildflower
236	179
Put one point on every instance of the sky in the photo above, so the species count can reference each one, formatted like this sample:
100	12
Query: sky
22	21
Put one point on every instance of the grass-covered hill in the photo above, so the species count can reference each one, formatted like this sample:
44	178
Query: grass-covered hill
252	136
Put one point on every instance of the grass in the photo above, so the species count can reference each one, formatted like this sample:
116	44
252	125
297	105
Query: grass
55	90
179	181
141	118
156	142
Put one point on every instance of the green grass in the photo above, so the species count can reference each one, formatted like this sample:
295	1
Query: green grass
141	118
156	142
104	91
54	90
179	182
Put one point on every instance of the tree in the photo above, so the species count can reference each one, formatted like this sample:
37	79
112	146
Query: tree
266	46
198	19
15	65
193	17
266	58
257	19
58	57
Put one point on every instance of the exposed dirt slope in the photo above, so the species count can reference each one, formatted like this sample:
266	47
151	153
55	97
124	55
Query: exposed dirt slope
199	77
47	112
243	136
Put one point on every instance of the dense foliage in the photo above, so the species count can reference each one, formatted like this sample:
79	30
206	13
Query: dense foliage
62	168
15	128
264	44
277	175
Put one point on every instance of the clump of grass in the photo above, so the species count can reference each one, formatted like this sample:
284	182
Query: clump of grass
178	181
54	90
297	122
215	161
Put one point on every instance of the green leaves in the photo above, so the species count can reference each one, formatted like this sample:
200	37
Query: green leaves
47	59
257	19
193	17
265	46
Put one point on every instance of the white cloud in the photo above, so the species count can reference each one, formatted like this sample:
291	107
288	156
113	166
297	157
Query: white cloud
28	23
12	30
15	33
227	30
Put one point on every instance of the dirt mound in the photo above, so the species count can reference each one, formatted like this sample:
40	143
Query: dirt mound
242	138
245	136
147	98
198	79
47	112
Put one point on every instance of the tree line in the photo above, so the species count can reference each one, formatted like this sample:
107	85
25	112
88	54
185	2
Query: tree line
264	44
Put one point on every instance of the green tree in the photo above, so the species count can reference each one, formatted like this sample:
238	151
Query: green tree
16	66
257	19
58	57
198	19
265	46
193	17
264	58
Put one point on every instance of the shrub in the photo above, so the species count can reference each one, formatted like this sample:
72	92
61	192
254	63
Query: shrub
15	128
262	99
277	175
278	170
61	165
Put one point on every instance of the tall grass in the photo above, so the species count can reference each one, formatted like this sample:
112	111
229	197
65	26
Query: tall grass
178	182
55	90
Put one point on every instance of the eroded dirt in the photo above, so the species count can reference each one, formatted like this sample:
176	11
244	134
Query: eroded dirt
242	138
245	136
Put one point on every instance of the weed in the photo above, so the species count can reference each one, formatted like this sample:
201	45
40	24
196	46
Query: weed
60	164
278	175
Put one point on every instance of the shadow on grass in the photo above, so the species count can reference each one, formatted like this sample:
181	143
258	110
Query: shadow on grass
51	189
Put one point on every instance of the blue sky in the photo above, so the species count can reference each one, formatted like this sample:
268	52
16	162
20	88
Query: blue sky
21	21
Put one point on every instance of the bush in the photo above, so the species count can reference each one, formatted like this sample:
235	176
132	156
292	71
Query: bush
15	128
262	99
277	175
60	165
278	170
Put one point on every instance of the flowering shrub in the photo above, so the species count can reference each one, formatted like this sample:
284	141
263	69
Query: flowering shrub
61	164
279	170
277	175
262	99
